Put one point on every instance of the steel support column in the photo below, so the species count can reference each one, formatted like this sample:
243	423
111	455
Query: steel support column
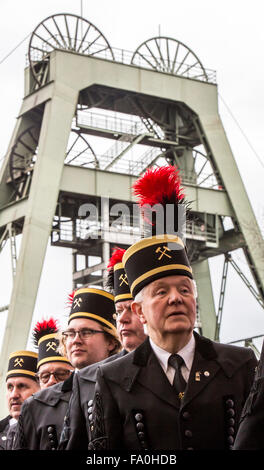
235	188
40	210
201	272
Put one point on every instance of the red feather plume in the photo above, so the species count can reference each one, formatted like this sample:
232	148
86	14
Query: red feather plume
116	257
70	298
43	328
159	186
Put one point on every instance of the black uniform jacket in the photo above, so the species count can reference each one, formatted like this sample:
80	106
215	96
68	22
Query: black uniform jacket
77	436
135	406
250	435
4	426
42	416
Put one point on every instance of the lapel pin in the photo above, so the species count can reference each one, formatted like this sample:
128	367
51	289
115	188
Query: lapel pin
206	373
197	376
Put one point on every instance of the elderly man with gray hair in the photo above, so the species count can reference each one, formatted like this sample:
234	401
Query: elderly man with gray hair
178	390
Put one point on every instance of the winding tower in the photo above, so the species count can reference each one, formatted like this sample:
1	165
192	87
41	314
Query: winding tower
93	118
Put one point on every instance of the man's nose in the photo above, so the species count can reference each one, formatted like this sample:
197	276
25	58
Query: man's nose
125	316
175	296
15	392
77	338
52	380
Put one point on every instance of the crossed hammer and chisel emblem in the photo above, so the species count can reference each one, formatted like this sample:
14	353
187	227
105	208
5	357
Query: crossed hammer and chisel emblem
163	252
51	345
123	278
18	362
77	303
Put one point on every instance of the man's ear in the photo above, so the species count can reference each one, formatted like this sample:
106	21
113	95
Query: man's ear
111	344
136	308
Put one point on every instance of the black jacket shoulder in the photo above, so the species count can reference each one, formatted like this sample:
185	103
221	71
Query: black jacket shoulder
88	373
4	422
229	357
232	357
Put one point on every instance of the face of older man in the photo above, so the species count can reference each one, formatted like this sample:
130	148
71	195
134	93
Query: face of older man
18	389
168	308
51	373
84	349
129	327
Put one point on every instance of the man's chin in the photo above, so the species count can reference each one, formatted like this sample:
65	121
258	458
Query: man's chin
180	328
128	344
80	364
15	413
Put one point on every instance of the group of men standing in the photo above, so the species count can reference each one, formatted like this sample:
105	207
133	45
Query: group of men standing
130	372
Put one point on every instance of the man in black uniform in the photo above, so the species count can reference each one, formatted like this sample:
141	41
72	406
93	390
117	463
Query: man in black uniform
131	333
52	366
21	383
129	327
91	336
178	390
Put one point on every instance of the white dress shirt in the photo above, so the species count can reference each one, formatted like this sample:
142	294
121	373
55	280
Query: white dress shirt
12	421
187	353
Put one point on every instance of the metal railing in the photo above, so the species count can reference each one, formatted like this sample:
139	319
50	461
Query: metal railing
110	122
200	232
70	231
124	57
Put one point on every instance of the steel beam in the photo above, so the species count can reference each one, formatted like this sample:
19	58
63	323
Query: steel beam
91	182
201	272
13	212
40	210
238	197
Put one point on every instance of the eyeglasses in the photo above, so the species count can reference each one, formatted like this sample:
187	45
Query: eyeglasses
84	333
59	375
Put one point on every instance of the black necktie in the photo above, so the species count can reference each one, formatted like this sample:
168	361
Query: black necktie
179	383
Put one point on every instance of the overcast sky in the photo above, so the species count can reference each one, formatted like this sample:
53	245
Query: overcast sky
227	36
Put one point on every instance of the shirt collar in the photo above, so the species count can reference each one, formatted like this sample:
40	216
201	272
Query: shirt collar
12	421
187	353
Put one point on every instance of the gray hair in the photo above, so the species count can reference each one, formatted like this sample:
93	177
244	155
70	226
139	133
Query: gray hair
139	297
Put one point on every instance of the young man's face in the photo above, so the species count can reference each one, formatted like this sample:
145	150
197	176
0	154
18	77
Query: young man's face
168	307
83	352
129	327
18	389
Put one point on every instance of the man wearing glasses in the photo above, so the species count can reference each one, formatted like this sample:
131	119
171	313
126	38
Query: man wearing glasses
52	366
131	334
90	337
